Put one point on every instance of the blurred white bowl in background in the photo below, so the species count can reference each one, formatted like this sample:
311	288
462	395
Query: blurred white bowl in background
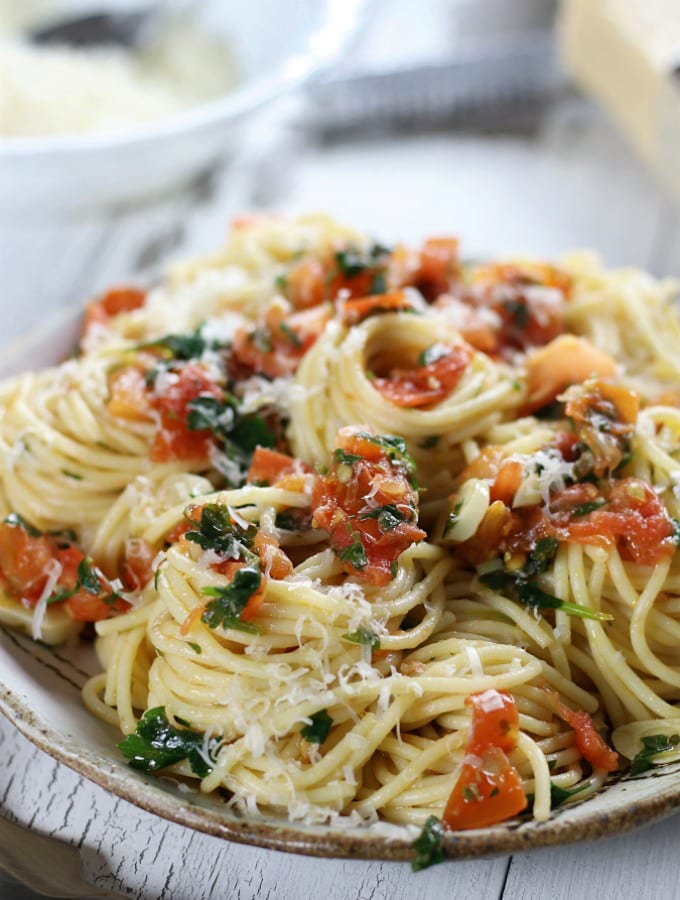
277	45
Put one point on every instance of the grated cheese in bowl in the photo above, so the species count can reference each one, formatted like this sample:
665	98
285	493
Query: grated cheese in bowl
51	90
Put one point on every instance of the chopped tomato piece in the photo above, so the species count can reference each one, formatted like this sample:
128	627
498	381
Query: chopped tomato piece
439	266
427	384
270	466
485	793
128	395
137	571
634	519
305	284
355	311
564	361
275	346
367	503
174	439
495	721
114	302
604	417
489	789
25	562
274	560
507	481
589	743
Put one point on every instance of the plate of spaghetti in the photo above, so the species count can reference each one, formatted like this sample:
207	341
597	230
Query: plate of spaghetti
349	549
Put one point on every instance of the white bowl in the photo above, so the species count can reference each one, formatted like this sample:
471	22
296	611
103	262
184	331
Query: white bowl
277	45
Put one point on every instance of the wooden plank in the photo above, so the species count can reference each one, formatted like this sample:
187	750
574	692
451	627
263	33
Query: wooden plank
637	866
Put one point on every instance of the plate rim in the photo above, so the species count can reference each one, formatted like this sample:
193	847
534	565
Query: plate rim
328	842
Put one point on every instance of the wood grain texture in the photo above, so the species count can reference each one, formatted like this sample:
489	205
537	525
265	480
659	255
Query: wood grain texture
568	182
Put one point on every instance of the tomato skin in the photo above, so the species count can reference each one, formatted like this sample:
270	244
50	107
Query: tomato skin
635	520
343	502
425	385
275	346
274	560
439	266
137	571
485	794
488	789
589	743
128	395
174	440
115	301
23	562
23	559
507	481
495	721
355	311
306	284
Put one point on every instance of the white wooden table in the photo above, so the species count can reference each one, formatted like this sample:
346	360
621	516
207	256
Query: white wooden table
569	183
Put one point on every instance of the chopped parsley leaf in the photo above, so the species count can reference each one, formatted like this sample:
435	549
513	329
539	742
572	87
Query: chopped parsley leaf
343	458
651	746
239	435
181	346
559	795
586	508
529	593
156	744
17	521
518	312
317	731
428	845
388	516
395	449
354	553
365	637
216	531
88	580
432	353
231	599
541	555
430	442
291	336
73	475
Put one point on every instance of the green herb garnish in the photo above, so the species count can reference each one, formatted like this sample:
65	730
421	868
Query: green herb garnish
317	731
586	508
432	353
231	599
651	746
88	580
181	346
343	458
17	521
238	434
428	845
216	531
365	637
156	744
395	449
529	592
291	336
388	516
354	553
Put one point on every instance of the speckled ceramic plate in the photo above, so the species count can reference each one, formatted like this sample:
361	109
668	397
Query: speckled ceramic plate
40	693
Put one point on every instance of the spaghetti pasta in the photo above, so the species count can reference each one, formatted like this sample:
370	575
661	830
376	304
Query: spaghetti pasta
367	534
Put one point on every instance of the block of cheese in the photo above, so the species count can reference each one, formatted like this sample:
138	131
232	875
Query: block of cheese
626	53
